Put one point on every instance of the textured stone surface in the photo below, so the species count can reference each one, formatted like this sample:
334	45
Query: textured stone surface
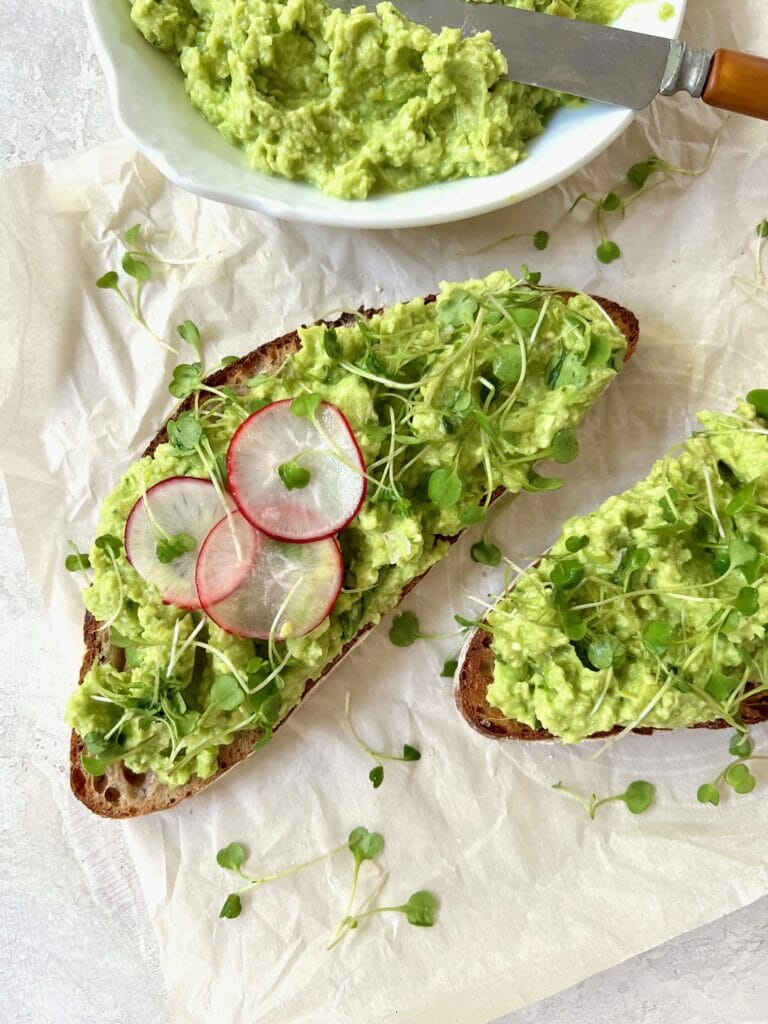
65	964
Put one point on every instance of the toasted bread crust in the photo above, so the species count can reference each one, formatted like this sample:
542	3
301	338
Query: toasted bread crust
121	793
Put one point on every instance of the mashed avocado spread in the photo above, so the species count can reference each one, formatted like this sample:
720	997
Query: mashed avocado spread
353	103
479	385
652	610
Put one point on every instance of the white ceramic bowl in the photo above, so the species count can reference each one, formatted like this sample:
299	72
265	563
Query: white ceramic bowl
153	111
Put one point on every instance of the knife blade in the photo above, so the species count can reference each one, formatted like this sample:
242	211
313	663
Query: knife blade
595	62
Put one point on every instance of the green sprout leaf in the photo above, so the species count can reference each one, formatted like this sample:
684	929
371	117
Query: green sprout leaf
575	543
231	857
743	500
185	432
638	174
404	630
132	234
420	909
541	240
632	560
293	475
189	332
720	686
108	542
603	651
535	482
458	310
607	251
232	906
507	364
747	601
758	399
524	316
108	280
638	796
740	745
77	562
410	753
376	775
187	378
473	514
708	794
565	446
134	268
485	552
444	487
610	202
364	845
93	765
762	229
574	626
96	742
739	778
226	693
305	405
449	668
169	548
657	637
567	574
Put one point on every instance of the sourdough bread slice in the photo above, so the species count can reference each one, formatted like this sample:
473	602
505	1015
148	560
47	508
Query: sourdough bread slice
121	793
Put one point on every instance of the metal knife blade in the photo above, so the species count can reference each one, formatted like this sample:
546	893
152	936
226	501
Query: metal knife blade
591	61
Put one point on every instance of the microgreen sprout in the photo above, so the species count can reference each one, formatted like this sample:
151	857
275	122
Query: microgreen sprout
232	858
134	265
173	546
376	775
77	561
636	183
419	909
637	797
189	332
485	552
405	630
756	287
735	775
293	475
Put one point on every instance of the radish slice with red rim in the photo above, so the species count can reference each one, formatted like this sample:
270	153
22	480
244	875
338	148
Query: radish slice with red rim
174	515
292	506
288	589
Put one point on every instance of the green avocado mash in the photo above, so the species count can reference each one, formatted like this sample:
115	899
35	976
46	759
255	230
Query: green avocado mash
448	400
353	103
651	610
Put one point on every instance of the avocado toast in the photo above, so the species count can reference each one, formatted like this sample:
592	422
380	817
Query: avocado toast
647	613
423	387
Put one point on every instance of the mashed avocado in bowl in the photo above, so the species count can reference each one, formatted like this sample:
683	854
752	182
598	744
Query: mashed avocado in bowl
652	610
354	103
449	400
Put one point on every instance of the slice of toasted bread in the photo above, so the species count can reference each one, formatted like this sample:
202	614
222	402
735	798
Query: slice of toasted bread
121	793
474	674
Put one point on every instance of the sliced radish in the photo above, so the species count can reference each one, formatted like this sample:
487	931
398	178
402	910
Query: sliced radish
179	505
288	588
275	437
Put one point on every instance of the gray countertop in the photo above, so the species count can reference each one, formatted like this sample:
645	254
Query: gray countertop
53	103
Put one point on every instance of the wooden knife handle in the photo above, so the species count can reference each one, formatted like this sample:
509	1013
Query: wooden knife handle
738	82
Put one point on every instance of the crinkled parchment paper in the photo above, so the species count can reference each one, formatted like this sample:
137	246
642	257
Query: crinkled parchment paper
533	896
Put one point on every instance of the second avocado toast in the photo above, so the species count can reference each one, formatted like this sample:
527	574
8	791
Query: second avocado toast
647	613
451	399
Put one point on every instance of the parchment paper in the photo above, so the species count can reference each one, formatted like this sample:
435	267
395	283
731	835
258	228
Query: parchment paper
533	896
